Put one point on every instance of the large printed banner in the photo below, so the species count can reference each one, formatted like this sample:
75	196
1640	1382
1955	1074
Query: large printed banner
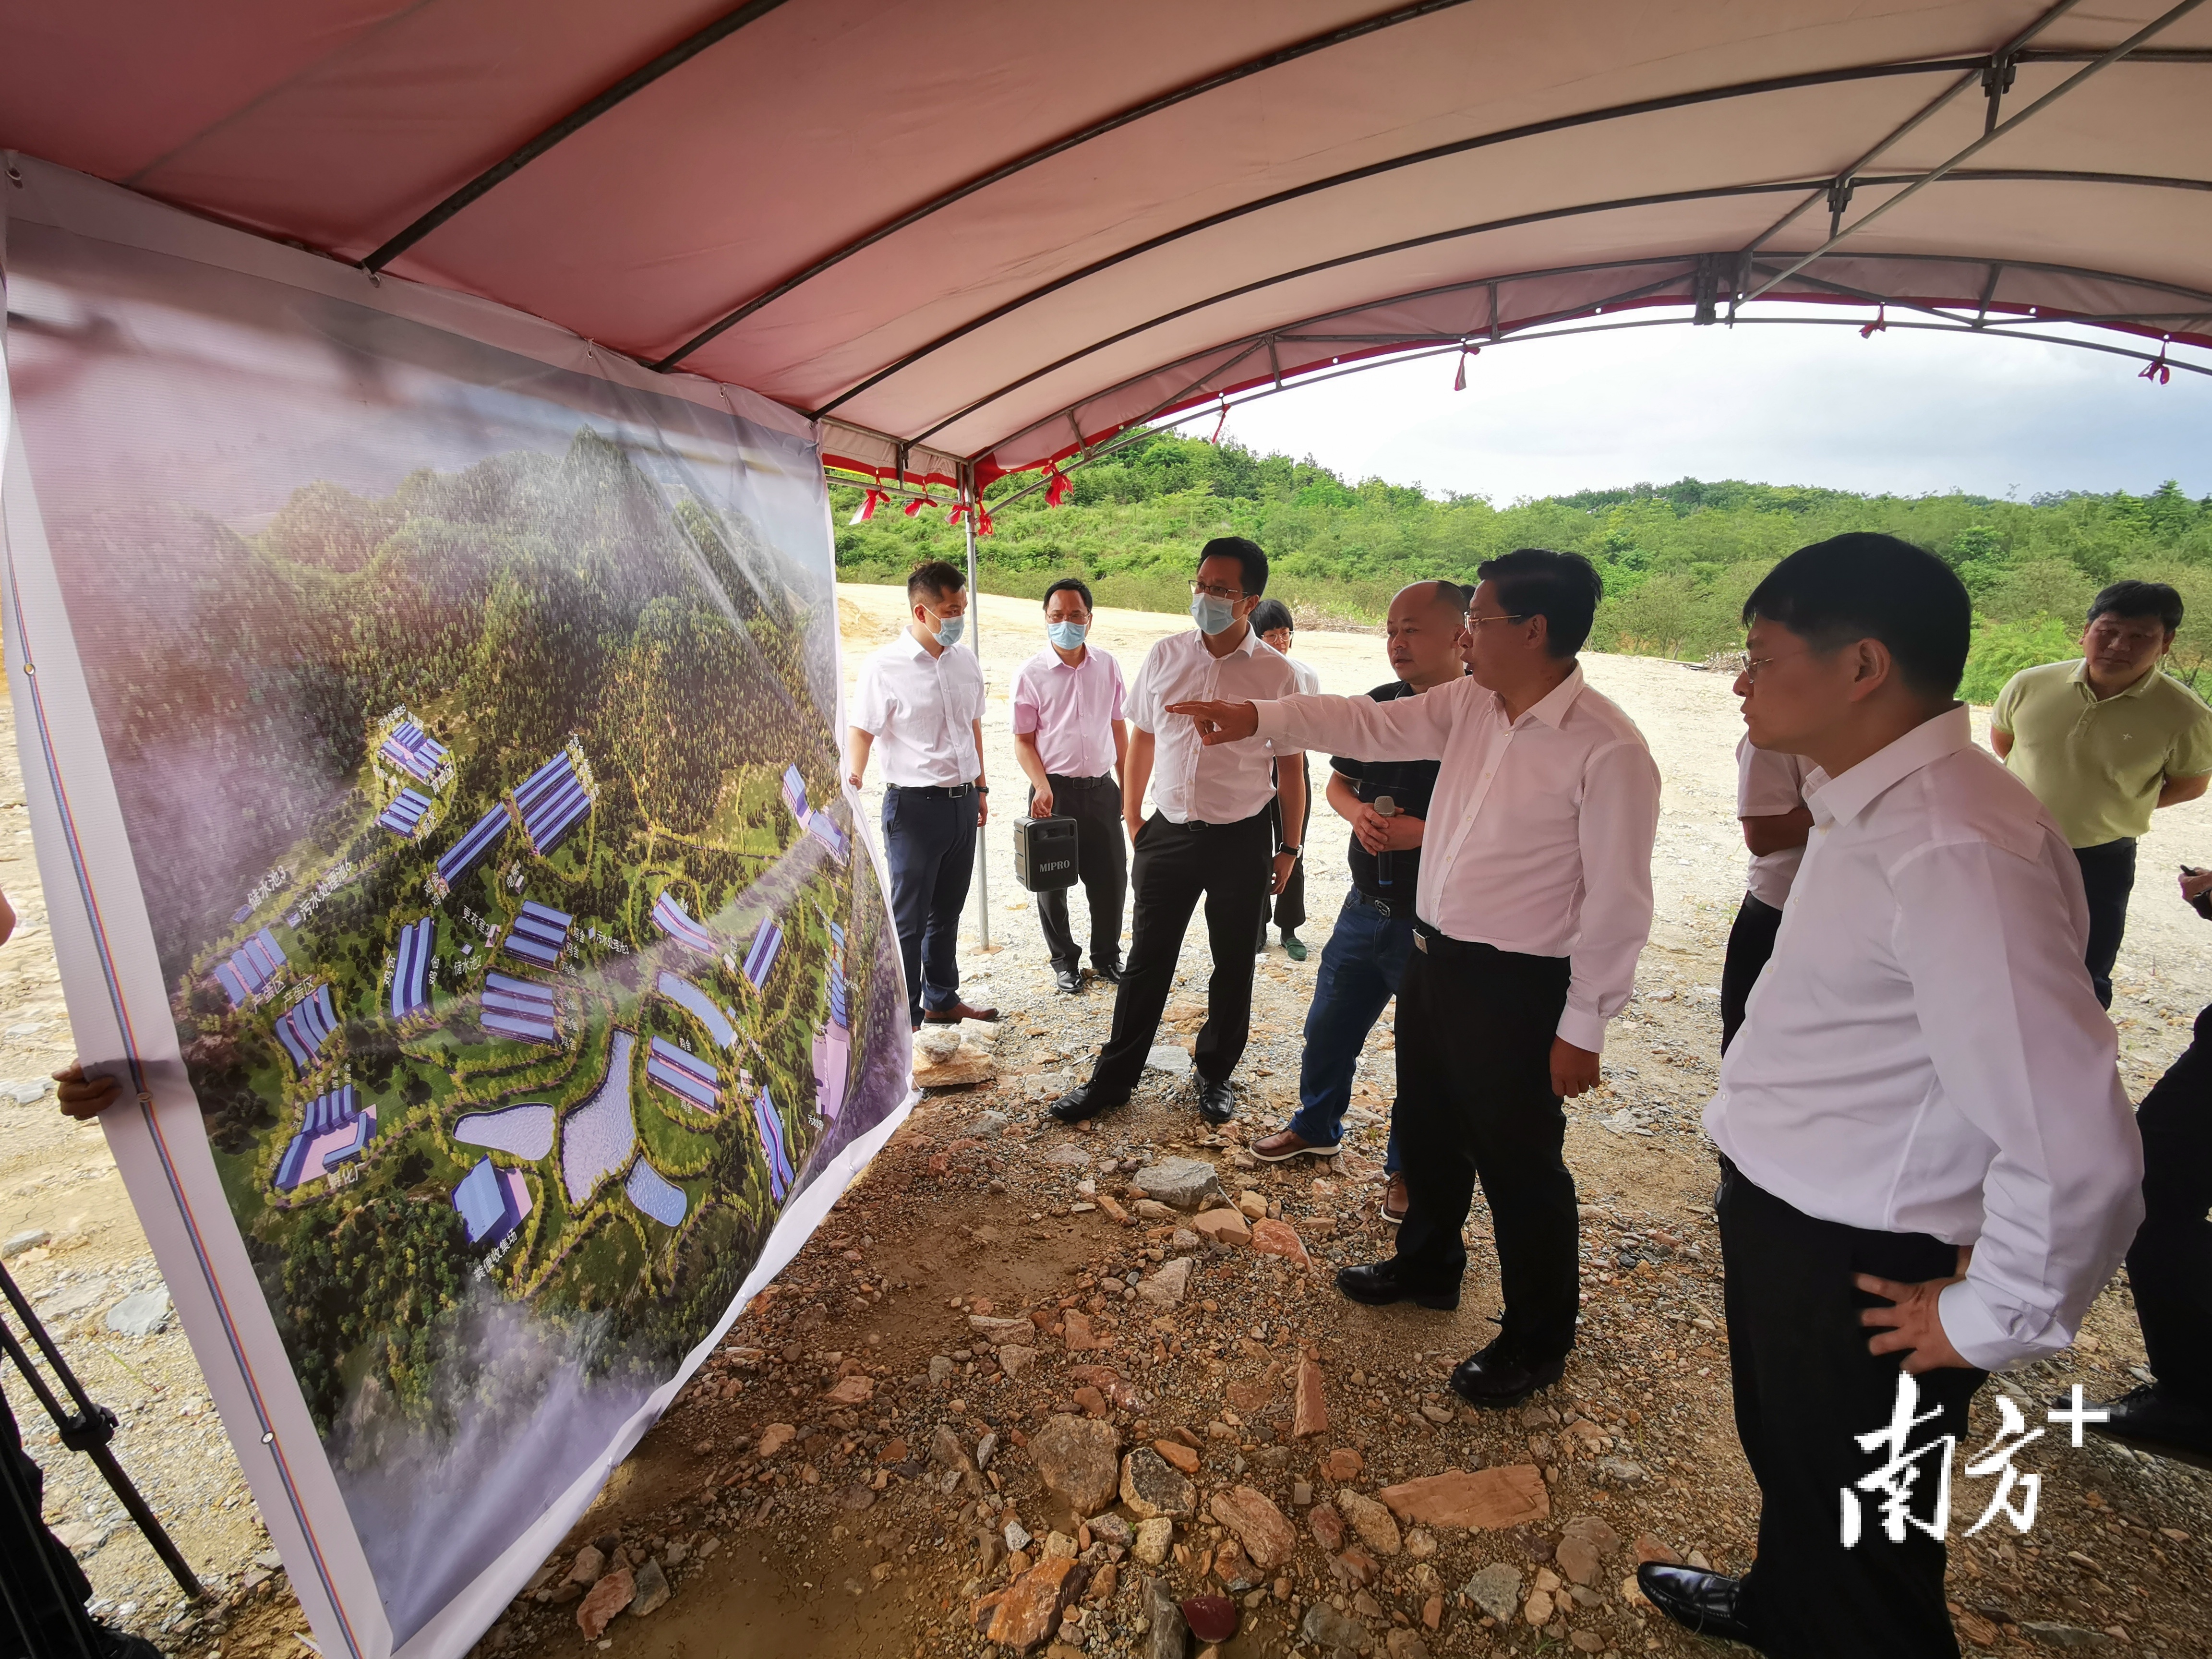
431	726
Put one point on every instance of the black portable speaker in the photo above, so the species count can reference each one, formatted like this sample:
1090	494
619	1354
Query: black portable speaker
1044	854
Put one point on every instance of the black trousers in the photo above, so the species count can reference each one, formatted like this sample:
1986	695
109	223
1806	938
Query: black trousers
1475	1104
42	1589
1229	866
1750	941
1806	1387
2170	1263
1290	904
1102	860
929	841
2108	875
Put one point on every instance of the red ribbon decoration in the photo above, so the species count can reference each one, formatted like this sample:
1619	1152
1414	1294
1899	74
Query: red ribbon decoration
1466	351
1057	485
958	513
869	503
2159	371
1879	324
915	505
1219	425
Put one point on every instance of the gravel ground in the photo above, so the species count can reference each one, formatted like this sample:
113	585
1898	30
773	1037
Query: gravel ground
792	1521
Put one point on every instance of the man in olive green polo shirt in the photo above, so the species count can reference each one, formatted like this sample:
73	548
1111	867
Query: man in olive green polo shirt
2104	741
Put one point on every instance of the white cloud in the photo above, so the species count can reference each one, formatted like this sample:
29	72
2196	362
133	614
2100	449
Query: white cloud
1905	412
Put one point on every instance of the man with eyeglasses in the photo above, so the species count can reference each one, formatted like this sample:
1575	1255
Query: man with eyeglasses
2104	741
1928	1163
1532	904
922	699
1210	836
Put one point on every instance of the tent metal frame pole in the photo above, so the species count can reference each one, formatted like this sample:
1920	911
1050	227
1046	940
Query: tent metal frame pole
2150	30
975	499
568	126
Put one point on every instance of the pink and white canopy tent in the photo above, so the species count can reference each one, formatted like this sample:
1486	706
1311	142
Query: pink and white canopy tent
976	236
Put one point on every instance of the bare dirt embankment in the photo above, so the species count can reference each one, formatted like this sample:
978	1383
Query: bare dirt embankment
857	1528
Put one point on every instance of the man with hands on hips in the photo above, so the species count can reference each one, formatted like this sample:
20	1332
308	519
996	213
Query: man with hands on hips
1534	902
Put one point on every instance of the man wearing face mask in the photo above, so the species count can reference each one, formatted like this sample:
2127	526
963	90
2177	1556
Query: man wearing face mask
1210	836
1070	740
923	700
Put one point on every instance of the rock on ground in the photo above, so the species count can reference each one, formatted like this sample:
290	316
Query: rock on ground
1152	1490
1076	1457
1497	1590
1493	1499
1180	1183
1268	1538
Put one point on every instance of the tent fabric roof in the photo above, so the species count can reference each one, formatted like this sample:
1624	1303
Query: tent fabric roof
988	234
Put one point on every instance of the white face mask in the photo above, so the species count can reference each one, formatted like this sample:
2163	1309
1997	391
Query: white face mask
949	630
1066	635
1212	615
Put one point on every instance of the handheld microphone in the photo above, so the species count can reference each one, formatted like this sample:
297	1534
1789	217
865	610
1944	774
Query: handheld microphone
1384	808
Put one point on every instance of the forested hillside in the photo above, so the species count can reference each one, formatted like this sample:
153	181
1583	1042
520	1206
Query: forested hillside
1678	559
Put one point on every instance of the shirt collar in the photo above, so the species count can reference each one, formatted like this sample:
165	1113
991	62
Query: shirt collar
2080	677
1839	799
1551	707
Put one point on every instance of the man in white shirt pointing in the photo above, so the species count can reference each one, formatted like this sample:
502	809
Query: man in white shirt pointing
1927	1157
1534	900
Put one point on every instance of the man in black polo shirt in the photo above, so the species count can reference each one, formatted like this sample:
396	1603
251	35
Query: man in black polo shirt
1365	955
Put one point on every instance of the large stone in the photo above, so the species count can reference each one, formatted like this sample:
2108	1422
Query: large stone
1222	1227
1167	1287
653	1591
1170	1633
1075	1331
1183	1458
1493	1499
604	1601
1327	1527
1026	1614
1154	1537
1311	1416
1014	1358
1497	1590
1169	1057
1151	1488
1372	1521
589	1567
995	1331
1579	1561
856	1390
1279	1238
29	1239
1075	1457
962	1064
141	1315
2062	1636
774	1438
1327	1628
946	1451
1594	1532
1267	1535
1404	1644
1182	1182
1211	1618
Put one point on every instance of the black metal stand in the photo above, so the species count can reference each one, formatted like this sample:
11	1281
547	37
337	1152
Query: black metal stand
88	1429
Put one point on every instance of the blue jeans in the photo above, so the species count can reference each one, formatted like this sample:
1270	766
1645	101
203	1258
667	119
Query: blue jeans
929	841
1360	968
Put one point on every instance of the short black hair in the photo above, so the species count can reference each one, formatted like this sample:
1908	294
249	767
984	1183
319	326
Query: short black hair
2135	599
933	579
1075	585
1563	588
1866	586
1250	560
1269	615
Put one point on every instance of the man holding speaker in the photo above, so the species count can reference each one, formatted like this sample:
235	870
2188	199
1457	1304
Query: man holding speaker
1387	804
1071	742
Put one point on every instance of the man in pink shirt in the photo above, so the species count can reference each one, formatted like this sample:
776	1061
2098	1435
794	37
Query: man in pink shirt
1070	740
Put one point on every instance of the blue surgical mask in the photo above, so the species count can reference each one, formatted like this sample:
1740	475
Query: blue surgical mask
949	630
1212	615
1066	635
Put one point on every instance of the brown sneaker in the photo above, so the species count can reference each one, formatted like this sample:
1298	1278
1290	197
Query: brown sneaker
1393	1202
956	1013
1282	1145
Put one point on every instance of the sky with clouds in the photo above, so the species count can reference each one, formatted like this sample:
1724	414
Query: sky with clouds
1904	411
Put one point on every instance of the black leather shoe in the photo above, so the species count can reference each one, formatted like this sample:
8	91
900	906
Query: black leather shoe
1704	1603
2154	1419
1216	1102
1084	1100
1498	1376
1109	971
1378	1286
1067	979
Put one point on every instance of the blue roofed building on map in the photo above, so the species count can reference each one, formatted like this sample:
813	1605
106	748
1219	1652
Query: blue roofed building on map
491	1202
794	792
250	968
674	920
472	848
823	829
700	1007
304	1027
761	957
518	1008
413	751
551	800
538	934
410	974
833	1042
404	817
684	1074
781	1175
336	1129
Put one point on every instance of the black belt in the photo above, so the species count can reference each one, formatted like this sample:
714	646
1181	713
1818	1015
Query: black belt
942	791
1392	908
1445	948
1056	780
